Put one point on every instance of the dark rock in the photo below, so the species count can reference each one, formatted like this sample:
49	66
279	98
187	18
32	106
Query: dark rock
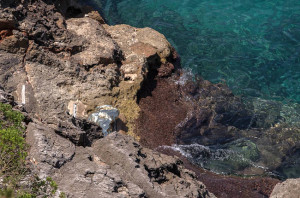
80	132
60	62
7	20
5	98
228	186
16	42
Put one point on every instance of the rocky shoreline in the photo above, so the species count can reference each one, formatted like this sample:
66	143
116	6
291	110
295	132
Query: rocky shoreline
60	61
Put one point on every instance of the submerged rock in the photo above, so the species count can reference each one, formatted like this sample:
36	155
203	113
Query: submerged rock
227	159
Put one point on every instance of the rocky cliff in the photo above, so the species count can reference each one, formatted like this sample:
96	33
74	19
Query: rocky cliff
58	63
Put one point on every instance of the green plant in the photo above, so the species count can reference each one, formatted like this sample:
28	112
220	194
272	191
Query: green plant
13	153
6	193
12	142
45	187
62	195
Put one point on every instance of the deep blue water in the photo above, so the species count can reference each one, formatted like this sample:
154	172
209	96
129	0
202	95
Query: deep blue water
252	45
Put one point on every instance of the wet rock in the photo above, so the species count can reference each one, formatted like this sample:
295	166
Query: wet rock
227	159
228	186
157	174
80	59
290	164
287	189
245	147
196	112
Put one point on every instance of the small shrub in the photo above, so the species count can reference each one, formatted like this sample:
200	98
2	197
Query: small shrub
12	142
13	155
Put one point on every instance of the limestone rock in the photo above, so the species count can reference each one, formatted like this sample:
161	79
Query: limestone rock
48	151
101	48
96	16
157	174
87	176
287	189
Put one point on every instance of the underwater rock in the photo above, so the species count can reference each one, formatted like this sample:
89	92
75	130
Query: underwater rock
105	116
290	165
227	159
244	147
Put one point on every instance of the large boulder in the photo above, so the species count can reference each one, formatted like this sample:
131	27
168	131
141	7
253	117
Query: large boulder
157	174
88	176
287	189
48	151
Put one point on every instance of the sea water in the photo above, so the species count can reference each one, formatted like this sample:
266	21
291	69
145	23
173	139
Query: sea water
251	45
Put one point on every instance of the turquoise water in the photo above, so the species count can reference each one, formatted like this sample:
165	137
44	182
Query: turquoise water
252	45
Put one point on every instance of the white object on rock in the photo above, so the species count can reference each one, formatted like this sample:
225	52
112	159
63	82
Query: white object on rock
23	95
75	110
104	116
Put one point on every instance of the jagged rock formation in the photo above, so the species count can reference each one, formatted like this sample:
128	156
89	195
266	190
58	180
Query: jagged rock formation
56	54
77	59
51	61
117	166
159	175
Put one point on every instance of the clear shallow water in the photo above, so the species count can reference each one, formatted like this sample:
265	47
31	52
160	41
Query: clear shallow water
253	46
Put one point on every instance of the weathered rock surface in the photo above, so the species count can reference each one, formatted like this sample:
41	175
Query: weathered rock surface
48	150
51	63
228	186
88	176
158	174
78	59
287	189
115	166
61	61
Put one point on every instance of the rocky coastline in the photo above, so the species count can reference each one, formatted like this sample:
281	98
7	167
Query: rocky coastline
60	61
